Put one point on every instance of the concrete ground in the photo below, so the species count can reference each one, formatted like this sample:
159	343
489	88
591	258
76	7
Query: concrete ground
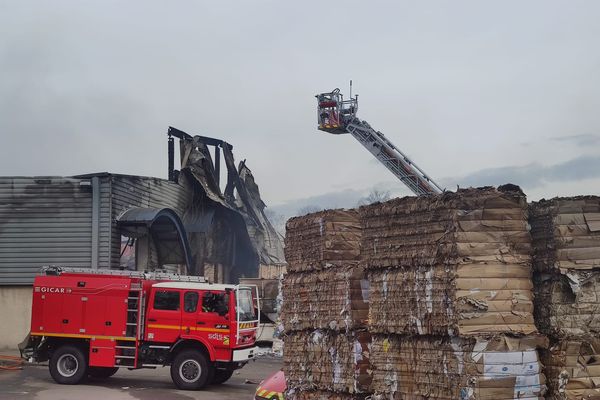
34	382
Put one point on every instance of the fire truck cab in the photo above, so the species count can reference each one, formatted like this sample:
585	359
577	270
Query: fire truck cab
89	323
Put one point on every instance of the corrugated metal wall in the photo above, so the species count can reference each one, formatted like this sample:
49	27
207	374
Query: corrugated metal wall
105	222
136	191
43	220
50	220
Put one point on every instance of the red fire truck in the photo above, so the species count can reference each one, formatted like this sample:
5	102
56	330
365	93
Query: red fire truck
91	323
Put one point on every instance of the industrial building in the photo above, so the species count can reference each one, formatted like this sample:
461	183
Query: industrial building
185	224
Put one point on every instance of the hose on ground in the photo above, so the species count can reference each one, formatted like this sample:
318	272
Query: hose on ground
11	363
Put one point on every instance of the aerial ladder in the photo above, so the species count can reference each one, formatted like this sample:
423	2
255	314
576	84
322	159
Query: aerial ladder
338	116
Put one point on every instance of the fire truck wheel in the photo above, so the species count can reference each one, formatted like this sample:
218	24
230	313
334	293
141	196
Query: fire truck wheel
221	376
191	370
102	372
68	365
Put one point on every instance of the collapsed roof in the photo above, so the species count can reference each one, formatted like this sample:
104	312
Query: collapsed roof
241	196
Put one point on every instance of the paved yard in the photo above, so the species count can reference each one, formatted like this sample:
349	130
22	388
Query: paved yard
34	382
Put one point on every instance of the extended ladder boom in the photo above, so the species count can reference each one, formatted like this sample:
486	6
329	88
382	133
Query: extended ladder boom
338	116
392	158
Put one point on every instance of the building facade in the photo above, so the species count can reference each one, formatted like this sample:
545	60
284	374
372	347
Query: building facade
91	221
187	224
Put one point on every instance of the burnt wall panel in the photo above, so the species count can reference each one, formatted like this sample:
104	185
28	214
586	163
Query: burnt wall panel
43	220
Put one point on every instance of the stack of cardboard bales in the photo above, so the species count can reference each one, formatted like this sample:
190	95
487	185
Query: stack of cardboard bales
325	308
566	238
451	305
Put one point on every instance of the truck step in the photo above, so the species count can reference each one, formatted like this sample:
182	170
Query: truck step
125	347
129	357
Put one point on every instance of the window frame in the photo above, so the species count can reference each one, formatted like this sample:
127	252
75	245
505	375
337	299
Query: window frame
225	298
198	298
159	292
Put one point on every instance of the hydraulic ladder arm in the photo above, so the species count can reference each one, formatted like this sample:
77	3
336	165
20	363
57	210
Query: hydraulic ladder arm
338	116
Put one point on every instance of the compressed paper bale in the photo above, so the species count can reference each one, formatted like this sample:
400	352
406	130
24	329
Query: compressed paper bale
566	233
471	225
457	263
572	369
450	300
412	300
322	239
456	368
566	241
567	305
321	395
335	299
327	360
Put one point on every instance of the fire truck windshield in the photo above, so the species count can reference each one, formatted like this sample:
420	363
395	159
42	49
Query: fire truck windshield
247	312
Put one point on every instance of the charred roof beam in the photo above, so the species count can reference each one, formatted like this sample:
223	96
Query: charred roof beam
205	140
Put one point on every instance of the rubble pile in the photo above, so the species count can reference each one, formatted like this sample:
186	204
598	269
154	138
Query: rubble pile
325	308
566	260
451	304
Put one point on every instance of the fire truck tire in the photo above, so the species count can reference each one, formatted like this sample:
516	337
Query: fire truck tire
102	372
191	370
221	376
68	365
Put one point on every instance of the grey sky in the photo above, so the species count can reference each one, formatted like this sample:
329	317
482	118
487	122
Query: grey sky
473	91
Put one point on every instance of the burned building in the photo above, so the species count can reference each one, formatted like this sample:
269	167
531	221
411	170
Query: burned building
186	224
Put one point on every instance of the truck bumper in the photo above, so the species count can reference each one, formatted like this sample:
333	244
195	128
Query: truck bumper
244	355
